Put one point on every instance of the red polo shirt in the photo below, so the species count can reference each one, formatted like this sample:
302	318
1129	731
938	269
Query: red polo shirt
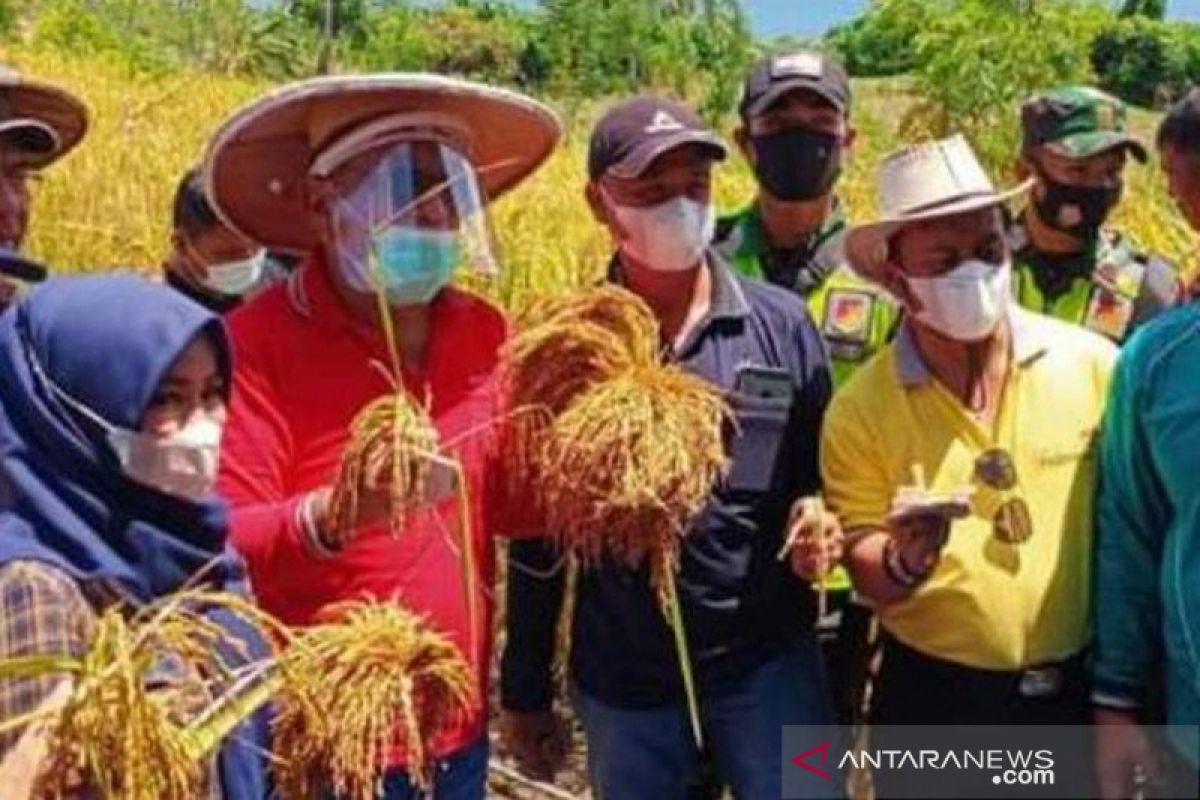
303	370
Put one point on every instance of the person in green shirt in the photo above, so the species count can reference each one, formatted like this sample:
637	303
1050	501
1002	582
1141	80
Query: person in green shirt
1147	612
795	131
1067	262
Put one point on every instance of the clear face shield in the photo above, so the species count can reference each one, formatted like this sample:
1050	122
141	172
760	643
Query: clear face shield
407	214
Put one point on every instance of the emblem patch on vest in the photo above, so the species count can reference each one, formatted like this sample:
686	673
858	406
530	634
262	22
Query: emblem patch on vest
847	323
1109	313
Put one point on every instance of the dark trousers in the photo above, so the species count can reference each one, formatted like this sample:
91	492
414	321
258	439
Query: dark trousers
649	754
916	689
846	649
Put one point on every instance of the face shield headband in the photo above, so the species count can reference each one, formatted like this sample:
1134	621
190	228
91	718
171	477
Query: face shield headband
407	212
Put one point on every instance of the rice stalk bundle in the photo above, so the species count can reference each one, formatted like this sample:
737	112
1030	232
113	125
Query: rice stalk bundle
631	462
616	310
391	442
627	467
123	730
562	348
626	450
394	446
377	679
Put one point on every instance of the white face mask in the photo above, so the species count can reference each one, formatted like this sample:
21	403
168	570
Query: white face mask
670	236
183	464
967	303
235	278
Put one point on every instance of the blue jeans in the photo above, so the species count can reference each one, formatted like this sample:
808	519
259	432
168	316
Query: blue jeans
461	776
650	753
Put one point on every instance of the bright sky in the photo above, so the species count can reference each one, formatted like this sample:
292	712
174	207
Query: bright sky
814	17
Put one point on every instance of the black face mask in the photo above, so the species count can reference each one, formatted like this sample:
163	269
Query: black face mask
797	163
1076	210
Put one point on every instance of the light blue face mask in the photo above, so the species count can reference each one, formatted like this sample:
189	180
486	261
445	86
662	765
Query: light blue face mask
414	264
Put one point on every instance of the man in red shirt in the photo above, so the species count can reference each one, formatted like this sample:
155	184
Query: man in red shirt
384	181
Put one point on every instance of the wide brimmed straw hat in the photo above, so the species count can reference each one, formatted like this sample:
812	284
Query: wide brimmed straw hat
40	120
920	182
256	163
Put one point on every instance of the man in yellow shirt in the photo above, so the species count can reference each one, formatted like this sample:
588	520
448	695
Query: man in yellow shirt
961	462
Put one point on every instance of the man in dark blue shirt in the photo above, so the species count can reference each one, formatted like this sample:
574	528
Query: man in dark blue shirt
749	615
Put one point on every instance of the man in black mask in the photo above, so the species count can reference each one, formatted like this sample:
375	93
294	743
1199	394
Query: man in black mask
1066	263
795	132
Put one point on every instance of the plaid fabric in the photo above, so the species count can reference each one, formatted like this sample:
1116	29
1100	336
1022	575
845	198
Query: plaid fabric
42	612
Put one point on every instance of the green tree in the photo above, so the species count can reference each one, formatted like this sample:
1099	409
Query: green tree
882	41
698	49
1144	61
980	59
1154	9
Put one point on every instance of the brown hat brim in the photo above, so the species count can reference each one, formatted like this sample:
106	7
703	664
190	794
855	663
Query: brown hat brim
866	245
16	265
26	101
257	162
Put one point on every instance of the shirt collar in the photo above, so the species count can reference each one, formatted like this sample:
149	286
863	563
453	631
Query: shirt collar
728	300
1028	340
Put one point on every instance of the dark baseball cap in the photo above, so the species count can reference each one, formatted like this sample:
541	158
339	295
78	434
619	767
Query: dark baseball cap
18	266
776	75
632	134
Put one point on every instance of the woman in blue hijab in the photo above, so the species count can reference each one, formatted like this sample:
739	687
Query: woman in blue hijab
112	399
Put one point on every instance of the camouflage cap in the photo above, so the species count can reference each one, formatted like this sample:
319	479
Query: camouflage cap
1077	121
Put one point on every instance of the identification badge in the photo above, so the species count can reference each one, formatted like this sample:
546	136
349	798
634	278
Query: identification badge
1109	313
765	383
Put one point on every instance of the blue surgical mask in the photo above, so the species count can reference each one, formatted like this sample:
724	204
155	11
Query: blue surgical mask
412	264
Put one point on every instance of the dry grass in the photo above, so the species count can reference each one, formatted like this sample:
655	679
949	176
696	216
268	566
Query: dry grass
108	204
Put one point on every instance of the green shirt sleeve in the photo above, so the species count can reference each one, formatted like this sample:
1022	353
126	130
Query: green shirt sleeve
1132	517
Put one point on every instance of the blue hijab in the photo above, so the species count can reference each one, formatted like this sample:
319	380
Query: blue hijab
107	342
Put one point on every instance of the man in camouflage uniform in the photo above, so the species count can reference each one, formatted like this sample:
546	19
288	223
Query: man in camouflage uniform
1066	262
795	130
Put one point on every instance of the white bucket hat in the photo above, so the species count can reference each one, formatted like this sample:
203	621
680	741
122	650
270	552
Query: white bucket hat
920	182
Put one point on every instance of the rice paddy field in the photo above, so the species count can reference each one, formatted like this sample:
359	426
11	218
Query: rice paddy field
108	204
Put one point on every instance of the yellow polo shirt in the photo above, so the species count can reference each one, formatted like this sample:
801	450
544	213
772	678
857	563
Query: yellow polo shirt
988	604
